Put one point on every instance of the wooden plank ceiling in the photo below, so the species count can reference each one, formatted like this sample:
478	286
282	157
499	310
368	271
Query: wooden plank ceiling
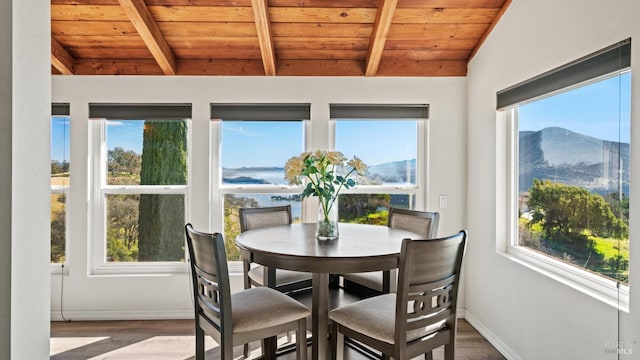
269	37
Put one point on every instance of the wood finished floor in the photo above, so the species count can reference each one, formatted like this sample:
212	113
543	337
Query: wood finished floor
173	339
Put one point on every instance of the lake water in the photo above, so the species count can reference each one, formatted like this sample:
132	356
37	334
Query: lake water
266	200
276	176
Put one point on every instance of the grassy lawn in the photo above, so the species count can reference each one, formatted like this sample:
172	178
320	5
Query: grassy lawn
606	256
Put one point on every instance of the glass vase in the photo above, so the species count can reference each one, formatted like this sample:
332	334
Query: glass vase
327	227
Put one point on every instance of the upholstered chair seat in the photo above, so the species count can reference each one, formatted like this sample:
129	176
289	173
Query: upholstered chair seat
371	318
262	307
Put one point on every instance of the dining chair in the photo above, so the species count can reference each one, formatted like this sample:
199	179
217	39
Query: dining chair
242	317
421	316
285	280
423	223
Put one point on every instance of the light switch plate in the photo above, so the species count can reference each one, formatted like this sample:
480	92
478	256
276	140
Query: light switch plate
443	201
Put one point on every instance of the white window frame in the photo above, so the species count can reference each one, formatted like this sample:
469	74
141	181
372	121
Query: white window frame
100	190
606	290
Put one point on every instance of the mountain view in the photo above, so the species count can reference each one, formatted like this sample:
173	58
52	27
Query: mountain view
396	172
561	155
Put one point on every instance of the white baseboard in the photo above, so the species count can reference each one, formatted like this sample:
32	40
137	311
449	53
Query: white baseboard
491	337
122	315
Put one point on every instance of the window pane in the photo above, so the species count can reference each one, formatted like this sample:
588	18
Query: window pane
59	186
388	147
147	227
371	208
574	176
254	152
232	204
58	228
146	152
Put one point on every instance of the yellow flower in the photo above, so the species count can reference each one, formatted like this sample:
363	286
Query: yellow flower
318	154
335	158
357	164
293	169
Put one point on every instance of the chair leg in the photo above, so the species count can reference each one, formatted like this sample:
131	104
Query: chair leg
245	351
428	355
246	266
449	351
337	342
269	348
199	343
226	352
301	340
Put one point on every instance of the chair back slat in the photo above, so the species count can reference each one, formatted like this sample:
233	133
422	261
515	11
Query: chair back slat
428	285
256	218
210	278
433	299
423	223
429	321
208	295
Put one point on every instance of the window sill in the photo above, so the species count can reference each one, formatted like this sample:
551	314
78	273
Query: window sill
59	268
605	290
160	268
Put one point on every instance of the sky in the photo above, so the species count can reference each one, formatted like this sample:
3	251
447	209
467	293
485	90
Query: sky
260	143
255	143
374	142
592	110
60	132
127	134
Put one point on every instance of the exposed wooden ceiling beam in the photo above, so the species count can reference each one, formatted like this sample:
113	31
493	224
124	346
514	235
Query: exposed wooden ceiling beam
60	58
379	36
146	26
501	12
263	27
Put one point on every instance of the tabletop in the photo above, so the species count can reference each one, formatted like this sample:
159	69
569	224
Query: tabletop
294	247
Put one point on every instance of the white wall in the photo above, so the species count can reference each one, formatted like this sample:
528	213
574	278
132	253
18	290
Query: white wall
162	296
25	94
527	314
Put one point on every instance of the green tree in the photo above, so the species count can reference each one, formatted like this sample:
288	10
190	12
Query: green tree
123	166
122	227
58	234
59	167
566	211
358	206
232	204
619	204
161	217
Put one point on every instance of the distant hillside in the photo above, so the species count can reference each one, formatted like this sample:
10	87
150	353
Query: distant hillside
562	155
403	171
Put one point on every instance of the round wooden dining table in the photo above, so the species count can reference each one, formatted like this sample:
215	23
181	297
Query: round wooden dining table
359	248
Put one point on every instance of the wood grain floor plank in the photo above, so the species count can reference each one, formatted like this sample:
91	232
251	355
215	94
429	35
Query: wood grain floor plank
173	340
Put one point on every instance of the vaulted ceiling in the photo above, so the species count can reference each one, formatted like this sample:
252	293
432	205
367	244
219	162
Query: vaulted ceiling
269	37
